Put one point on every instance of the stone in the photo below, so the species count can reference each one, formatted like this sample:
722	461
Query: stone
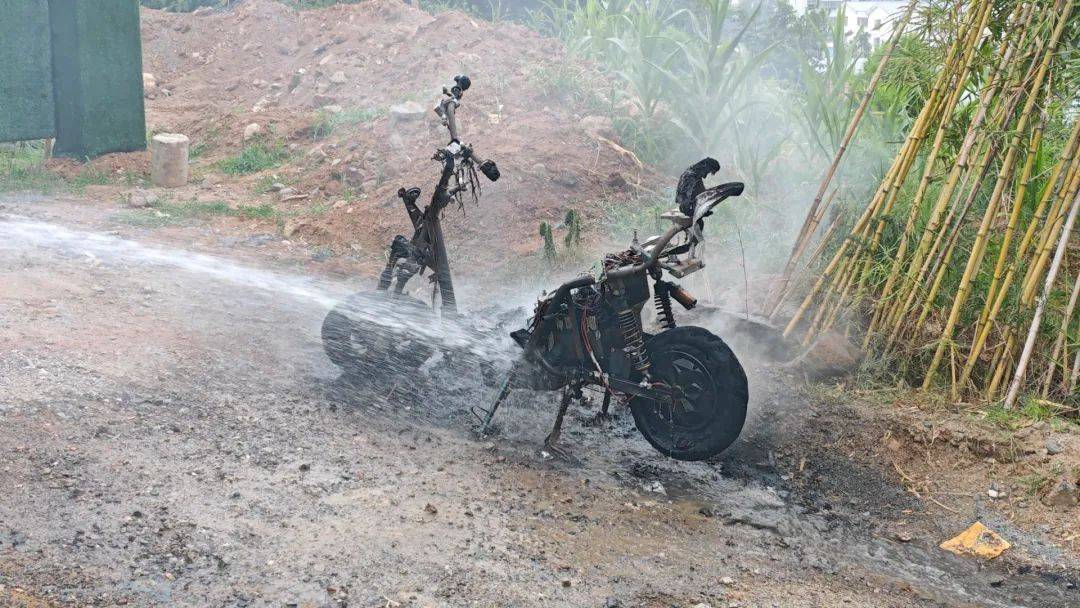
352	176
141	198
997	491
566	180
339	77
333	109
1061	494
406	112
277	187
252	130
149	83
169	160
617	181
321	101
656	488
1053	448
598	126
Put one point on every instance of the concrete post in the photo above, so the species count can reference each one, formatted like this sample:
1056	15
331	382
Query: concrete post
169	160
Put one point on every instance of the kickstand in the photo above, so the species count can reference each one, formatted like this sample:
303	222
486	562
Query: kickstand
553	436
602	417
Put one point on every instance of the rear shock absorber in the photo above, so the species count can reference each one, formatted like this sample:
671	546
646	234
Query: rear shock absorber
662	298
633	341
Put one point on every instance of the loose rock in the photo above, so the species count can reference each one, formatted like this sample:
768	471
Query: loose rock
1053	448
252	130
1061	494
150	84
406	112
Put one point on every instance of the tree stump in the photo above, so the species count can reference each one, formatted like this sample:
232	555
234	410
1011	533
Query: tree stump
169	160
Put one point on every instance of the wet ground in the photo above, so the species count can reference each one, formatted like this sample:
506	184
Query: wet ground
172	434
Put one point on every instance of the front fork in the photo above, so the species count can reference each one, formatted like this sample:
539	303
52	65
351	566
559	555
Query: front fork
427	249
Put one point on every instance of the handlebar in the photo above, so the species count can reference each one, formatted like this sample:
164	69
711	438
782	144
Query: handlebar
650	259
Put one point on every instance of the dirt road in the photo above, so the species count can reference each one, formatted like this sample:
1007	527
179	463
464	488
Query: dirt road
173	435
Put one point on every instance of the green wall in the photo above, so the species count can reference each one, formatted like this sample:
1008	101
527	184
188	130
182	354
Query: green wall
72	69
97	77
26	99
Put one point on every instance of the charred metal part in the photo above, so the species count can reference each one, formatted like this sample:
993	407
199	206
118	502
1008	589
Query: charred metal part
683	297
408	197
490	170
692	183
569	393
662	299
685	387
633	340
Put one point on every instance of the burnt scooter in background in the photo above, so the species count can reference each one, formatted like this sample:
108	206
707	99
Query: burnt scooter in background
371	332
685	387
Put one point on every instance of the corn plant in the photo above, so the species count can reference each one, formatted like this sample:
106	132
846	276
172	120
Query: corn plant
710	86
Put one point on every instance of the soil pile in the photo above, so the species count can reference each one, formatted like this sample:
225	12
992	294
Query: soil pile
321	84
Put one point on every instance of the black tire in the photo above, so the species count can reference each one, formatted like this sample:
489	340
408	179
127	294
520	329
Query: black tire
364	348
711	415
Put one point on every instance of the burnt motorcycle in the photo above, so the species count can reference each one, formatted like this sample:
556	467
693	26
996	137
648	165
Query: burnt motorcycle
372	332
685	387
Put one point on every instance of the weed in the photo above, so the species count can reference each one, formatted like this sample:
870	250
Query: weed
624	218
326	123
259	155
258	212
566	82
266	183
1033	483
20	168
1031	410
89	176
198	149
169	213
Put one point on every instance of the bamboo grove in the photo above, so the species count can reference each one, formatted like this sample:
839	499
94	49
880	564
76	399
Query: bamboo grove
962	271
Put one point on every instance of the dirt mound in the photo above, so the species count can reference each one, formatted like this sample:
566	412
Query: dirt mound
320	83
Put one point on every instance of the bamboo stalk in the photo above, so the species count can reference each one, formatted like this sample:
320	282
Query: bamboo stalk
1051	189
1003	174
933	257
1014	218
1075	375
1059	344
882	201
899	258
1040	307
1053	222
812	218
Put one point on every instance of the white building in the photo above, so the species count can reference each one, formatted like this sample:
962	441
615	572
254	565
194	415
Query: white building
875	17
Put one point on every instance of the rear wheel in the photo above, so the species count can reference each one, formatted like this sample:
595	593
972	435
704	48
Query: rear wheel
709	414
370	335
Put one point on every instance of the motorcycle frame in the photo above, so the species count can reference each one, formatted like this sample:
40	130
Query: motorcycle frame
427	248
